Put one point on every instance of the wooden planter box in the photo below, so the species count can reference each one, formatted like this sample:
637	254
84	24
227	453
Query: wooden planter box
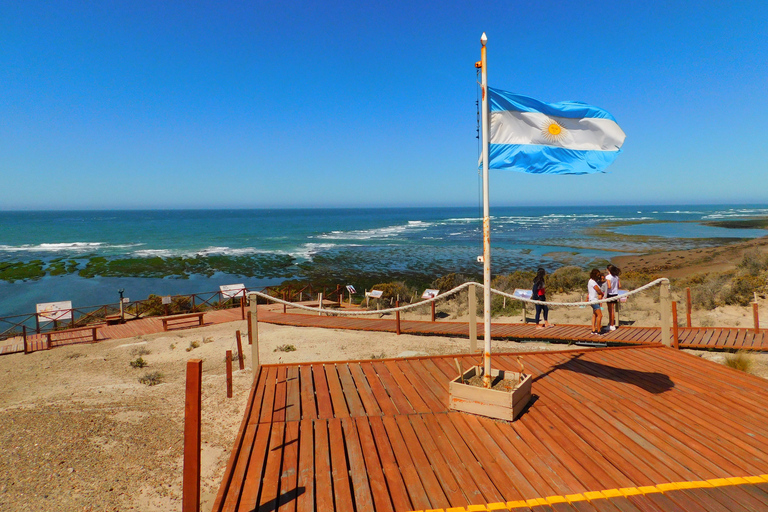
503	405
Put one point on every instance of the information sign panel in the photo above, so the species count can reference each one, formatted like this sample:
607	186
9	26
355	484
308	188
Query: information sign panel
50	311
523	293
375	294
229	291
430	293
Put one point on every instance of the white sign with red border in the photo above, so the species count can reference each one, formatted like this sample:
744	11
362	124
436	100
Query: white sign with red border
430	293
230	291
50	311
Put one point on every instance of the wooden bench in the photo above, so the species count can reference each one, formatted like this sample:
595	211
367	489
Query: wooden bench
93	330
185	318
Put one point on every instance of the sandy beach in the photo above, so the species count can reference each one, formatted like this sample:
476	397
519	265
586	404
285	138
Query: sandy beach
78	431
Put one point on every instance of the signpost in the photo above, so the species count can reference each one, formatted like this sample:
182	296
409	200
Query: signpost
230	291
373	293
54	311
351	290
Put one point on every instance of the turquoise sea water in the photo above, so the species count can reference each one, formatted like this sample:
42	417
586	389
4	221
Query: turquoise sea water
337	244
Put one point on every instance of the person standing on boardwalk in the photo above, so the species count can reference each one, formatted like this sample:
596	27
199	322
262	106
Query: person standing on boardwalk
596	293
612	281
539	292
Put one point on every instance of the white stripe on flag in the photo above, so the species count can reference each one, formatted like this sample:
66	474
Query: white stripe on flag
596	134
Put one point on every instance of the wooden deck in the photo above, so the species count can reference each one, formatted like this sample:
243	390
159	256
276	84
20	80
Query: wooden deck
718	338
629	428
732	338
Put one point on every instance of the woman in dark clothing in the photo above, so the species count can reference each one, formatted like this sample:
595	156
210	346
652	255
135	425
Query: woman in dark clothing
540	293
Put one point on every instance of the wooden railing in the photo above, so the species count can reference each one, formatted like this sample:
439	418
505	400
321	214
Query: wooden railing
19	325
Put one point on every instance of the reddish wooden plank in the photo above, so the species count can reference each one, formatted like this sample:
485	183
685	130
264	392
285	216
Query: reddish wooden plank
281	391
337	394
322	394
364	390
349	389
467	457
357	471
269	395
305	501
398	490
308	404
393	389
383	401
440	485
419	496
433	391
270	485
374	468
289	489
341	490
323	476
293	395
460	468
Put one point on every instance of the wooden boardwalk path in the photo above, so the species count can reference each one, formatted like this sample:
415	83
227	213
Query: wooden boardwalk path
732	338
615	429
719	338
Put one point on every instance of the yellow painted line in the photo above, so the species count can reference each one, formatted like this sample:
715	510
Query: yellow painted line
611	493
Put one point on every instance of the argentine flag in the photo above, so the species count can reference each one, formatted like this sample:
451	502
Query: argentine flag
569	137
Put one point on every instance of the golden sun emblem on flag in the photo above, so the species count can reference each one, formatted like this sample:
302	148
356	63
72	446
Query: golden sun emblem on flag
552	130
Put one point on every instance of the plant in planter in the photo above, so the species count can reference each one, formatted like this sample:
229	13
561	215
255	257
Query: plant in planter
507	396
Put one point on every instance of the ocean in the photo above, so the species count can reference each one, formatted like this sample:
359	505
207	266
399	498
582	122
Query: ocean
87	256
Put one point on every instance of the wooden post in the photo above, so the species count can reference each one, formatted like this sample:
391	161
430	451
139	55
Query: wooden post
320	304
675	333
193	302
241	359
284	306
242	306
525	319
472	305
339	293
24	335
229	374
664	309
253	332
757	319
250	330
190	501
433	310
688	307
397	318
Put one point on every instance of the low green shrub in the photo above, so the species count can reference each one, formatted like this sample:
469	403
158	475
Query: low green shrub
139	362
151	379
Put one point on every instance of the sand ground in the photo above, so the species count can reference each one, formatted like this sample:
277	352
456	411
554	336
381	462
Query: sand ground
79	432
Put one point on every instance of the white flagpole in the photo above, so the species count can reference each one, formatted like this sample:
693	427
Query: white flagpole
486	223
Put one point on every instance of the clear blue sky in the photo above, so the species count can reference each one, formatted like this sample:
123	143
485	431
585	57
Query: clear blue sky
287	104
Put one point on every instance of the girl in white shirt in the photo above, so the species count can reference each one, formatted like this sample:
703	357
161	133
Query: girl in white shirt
612	280
595	293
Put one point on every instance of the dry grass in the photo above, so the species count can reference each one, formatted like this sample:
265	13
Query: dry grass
740	360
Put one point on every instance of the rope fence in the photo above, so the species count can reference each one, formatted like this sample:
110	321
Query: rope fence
454	291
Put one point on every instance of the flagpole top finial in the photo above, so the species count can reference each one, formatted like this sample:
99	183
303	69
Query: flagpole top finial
483	39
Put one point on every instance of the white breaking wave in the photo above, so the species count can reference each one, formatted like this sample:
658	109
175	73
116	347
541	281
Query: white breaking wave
65	246
376	233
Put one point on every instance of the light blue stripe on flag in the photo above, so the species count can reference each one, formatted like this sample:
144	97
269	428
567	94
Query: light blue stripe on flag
531	136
